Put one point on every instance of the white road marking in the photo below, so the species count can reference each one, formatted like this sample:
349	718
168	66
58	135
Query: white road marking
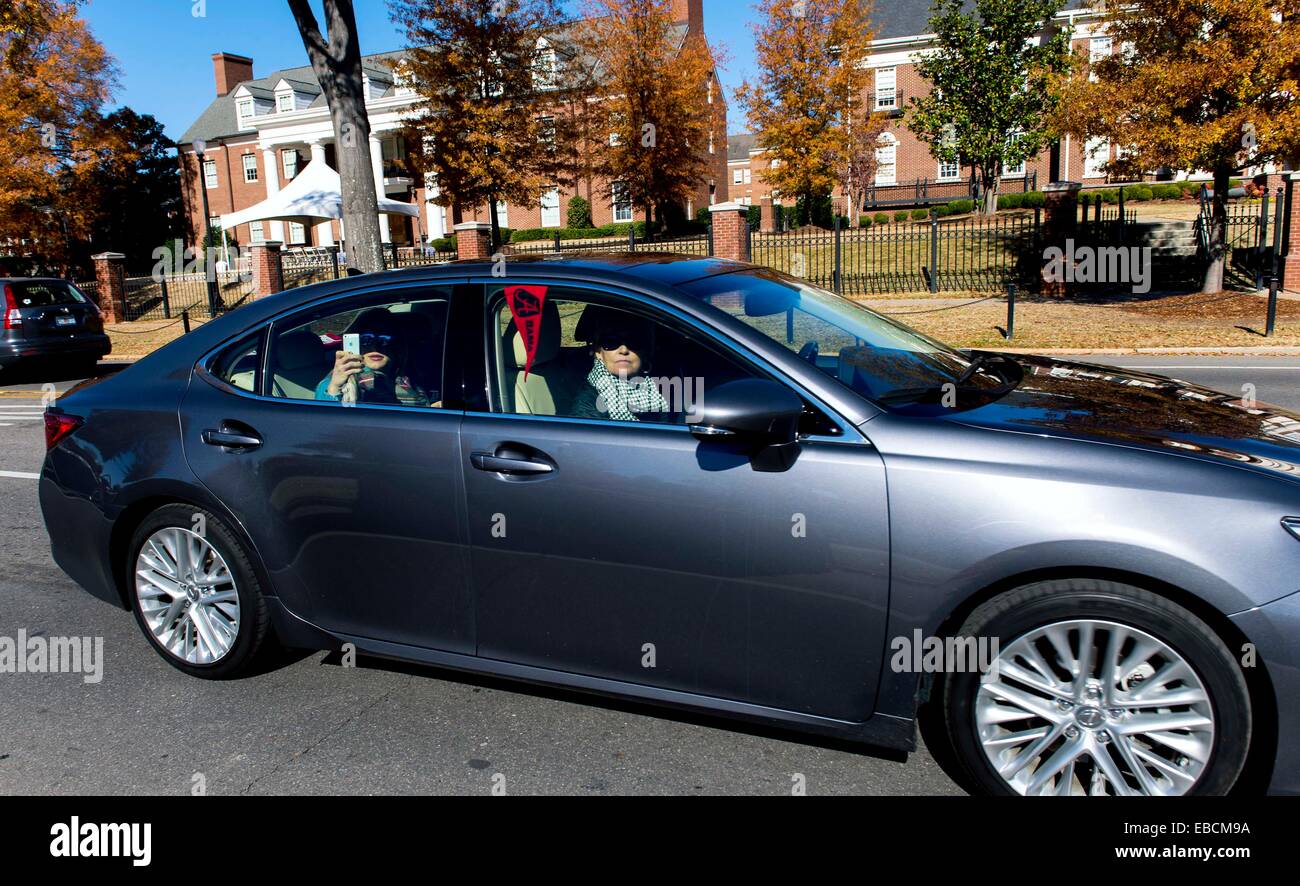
20	475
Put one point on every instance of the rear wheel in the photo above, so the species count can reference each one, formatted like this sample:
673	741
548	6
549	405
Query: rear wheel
1098	688
195	593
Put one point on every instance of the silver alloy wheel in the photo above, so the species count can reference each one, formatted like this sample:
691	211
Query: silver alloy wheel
187	596
1094	707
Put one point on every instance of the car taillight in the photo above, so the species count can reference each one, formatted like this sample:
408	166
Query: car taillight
58	425
12	316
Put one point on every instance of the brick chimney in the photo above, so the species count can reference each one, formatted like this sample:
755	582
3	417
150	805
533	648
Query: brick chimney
231	70
691	12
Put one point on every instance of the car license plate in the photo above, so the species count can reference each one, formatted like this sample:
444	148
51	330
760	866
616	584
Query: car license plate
65	321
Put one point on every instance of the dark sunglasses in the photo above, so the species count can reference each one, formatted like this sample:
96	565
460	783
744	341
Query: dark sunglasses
375	342
611	341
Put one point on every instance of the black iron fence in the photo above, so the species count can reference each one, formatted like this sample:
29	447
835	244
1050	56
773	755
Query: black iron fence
690	244
929	191
166	296
981	254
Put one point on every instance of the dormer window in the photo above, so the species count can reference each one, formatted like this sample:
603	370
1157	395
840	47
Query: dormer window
245	109
284	102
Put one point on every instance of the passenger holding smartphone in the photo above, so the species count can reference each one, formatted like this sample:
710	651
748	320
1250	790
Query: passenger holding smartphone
375	371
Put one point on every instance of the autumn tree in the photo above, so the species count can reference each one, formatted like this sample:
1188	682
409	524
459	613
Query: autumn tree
1208	85
654	106
480	69
335	57
995	83
54	76
807	106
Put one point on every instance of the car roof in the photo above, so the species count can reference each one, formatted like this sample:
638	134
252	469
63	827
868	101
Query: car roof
665	268
34	280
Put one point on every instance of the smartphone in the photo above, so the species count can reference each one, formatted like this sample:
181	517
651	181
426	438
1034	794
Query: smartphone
352	342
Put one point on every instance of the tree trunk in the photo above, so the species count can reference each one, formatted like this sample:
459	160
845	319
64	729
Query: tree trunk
987	204
495	219
1217	226
336	61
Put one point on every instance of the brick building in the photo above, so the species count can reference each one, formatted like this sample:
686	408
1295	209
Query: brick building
259	132
902	36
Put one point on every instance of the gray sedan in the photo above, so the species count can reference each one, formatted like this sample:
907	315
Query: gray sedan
711	486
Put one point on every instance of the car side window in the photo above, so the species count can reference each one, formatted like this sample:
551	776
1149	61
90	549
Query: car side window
572	353
240	364
378	351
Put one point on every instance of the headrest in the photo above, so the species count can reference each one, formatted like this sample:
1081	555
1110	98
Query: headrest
548	346
596	319
300	349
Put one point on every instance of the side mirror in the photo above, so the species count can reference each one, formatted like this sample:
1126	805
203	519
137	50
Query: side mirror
757	415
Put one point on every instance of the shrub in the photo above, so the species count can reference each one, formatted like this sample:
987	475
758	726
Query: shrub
754	215
1011	201
864	221
958	207
881	218
920	214
579	215
702	214
1034	199
444	244
1138	193
901	215
1166	192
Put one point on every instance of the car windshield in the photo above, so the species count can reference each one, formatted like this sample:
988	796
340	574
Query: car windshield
870	353
43	293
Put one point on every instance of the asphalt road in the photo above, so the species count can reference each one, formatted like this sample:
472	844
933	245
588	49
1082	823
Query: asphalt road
312	726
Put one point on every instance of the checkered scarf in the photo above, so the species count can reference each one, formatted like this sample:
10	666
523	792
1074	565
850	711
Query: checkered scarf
623	397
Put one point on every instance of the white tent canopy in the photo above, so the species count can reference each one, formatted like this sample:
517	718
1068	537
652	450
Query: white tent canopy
316	192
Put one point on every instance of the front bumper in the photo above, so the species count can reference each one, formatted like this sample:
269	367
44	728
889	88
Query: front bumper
1274	629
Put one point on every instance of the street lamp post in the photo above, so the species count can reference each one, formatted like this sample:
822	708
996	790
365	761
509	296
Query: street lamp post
200	149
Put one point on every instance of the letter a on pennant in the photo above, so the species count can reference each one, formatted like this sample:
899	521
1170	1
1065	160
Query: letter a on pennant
526	303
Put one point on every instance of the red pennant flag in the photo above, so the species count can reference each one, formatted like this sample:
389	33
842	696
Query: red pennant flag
526	304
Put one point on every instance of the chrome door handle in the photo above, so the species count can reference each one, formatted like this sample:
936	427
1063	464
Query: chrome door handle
229	440
486	461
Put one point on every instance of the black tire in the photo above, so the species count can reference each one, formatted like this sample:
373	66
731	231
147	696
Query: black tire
1015	613
255	639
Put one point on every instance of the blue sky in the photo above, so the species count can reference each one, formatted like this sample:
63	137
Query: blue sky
164	51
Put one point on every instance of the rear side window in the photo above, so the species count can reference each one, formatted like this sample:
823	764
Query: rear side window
40	294
239	365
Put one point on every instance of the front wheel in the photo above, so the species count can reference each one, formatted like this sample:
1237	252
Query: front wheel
195	593
1097	688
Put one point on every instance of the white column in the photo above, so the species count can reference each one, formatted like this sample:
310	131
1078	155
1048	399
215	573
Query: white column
377	163
324	230
271	161
434	225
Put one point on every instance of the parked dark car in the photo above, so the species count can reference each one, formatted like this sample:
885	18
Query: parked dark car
52	321
711	486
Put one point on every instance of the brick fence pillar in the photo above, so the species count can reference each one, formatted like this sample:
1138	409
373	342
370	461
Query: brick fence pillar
473	240
267	262
110	275
767	216
1060	221
1291	233
730	231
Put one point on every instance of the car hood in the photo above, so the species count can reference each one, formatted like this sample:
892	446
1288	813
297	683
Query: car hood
1110	405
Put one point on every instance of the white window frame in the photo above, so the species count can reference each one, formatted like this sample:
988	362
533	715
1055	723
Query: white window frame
1096	152
887	88
886	159
620	206
553	192
1098	49
280	102
246	108
210	179
955	165
503	213
290	172
297	233
250	169
256	233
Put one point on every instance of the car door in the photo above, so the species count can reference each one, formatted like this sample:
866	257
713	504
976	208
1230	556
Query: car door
357	512
632	551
